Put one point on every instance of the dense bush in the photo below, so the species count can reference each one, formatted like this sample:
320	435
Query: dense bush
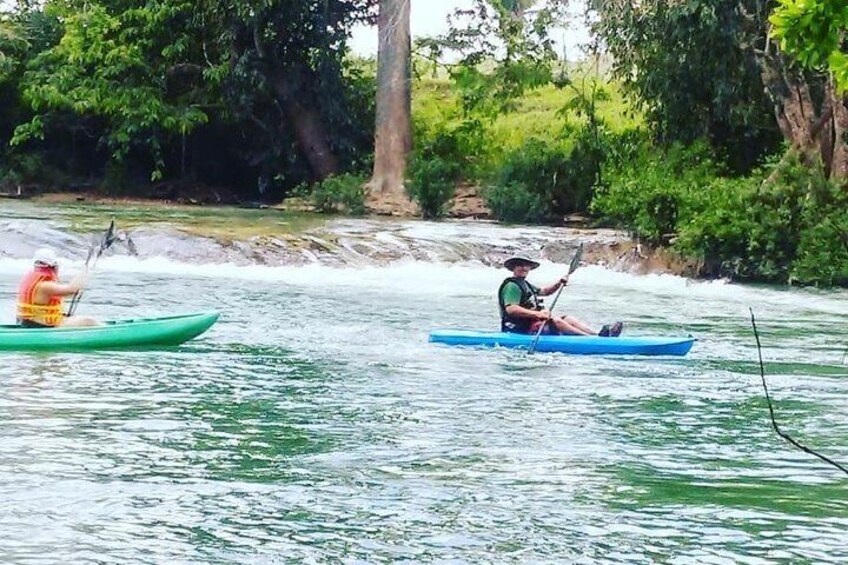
783	223
821	257
651	191
449	136
20	169
822	254
542	180
515	203
432	183
341	193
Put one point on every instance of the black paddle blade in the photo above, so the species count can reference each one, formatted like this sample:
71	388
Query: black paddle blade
575	261
108	238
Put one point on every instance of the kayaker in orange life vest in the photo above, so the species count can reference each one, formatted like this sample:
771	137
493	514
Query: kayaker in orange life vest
523	312
40	294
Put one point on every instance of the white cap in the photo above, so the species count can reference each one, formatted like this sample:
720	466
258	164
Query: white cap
46	256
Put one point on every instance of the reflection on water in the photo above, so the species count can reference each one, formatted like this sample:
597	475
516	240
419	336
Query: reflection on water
315	423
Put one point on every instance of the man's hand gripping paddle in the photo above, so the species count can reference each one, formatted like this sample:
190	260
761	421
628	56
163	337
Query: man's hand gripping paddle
575	262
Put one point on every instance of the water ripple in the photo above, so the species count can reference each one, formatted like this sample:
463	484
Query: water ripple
315	425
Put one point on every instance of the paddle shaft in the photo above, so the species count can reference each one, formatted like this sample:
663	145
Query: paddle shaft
575	261
105	243
78	294
545	323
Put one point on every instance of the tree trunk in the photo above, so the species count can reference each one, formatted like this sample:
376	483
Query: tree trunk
308	127
393	135
793	106
306	122
839	159
819	135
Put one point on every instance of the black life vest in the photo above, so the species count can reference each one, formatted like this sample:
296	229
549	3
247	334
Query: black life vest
529	299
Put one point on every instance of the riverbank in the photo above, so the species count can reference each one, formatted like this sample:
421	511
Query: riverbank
466	203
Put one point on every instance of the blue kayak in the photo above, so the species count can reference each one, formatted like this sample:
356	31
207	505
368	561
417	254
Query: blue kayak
581	345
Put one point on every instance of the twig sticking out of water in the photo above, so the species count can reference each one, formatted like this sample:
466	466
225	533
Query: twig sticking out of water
771	408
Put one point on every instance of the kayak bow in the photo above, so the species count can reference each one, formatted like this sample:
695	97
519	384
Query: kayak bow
139	332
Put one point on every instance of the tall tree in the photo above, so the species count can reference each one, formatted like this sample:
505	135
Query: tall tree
393	136
692	66
113	63
270	76
286	72
814	34
708	68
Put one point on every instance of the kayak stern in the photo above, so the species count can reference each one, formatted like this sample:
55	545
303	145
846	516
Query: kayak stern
120	334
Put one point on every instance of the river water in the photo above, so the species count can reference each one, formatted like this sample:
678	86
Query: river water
315	424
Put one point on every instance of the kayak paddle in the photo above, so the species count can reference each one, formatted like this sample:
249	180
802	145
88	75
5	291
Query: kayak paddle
95	252
575	262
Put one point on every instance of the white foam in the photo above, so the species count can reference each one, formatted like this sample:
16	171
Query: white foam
472	278
468	278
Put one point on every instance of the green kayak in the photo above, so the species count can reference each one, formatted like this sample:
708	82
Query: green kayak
140	332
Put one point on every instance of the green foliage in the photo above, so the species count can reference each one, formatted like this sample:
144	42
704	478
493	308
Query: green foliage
432	183
813	31
516	203
503	53
542	180
340	194
651	191
785	224
113	65
788	226
13	43
539	158
440	132
822	253
489	94
287	80
692	66
514	43
560	175
183	88
23	34
21	169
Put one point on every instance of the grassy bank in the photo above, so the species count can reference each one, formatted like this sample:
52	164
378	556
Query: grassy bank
225	223
578	148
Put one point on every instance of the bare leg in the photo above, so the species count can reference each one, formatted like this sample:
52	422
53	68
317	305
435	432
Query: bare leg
566	326
79	321
578	324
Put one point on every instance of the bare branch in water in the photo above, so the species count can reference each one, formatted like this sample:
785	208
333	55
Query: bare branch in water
771	408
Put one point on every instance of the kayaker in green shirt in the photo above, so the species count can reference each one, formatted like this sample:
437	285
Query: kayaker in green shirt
523	312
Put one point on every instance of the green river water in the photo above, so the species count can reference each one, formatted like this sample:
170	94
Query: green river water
315	424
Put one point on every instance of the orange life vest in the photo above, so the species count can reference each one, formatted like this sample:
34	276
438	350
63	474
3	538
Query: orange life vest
49	314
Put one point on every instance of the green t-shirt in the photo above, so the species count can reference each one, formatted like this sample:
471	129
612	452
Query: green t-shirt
511	294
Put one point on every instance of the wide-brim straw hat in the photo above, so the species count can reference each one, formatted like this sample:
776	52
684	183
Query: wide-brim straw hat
517	260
